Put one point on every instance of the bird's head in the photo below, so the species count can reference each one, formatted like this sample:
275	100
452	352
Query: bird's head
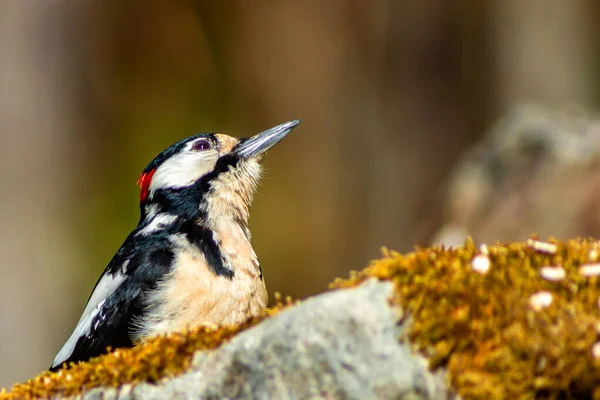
207	174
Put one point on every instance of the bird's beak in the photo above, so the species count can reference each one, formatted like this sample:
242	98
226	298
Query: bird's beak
258	144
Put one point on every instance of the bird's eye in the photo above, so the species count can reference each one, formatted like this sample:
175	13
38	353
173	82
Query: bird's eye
201	145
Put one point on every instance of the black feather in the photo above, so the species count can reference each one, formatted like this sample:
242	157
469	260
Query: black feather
204	239
149	260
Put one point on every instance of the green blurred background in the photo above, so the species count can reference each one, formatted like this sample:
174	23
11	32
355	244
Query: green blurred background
389	92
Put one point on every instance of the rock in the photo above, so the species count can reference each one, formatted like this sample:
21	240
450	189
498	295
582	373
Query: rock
535	171
341	344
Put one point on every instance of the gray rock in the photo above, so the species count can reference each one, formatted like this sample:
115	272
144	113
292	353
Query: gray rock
535	171
341	344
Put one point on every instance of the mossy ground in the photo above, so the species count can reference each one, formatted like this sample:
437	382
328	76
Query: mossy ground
485	326
160	357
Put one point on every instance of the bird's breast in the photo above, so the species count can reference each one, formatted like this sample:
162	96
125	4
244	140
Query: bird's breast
192	294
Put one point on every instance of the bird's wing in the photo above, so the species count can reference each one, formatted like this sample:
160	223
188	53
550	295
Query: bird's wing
117	299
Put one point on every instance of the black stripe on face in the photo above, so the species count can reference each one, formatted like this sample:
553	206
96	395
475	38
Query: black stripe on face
185	202
224	164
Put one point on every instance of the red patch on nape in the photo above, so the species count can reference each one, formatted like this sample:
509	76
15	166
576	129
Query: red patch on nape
144	183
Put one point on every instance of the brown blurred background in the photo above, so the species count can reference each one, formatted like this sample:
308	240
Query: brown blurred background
390	95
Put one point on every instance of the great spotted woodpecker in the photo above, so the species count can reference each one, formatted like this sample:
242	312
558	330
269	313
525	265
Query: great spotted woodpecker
189	261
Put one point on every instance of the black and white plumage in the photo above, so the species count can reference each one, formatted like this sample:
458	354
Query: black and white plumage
189	261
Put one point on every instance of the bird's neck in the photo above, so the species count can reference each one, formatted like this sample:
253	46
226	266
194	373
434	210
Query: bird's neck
236	249
225	213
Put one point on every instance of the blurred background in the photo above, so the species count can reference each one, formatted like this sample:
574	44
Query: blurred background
422	121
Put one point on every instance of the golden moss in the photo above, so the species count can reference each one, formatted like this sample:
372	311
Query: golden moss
159	357
156	358
492	332
521	321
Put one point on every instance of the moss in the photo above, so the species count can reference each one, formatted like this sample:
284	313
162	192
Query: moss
160	357
522	321
488	330
157	358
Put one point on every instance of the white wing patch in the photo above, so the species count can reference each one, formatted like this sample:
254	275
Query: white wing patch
107	285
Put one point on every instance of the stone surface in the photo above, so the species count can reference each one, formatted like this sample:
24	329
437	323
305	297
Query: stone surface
535	171
341	344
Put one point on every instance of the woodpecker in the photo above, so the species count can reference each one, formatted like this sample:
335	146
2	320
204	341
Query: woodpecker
189	261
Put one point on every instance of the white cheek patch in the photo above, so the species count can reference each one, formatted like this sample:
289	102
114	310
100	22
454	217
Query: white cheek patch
183	169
